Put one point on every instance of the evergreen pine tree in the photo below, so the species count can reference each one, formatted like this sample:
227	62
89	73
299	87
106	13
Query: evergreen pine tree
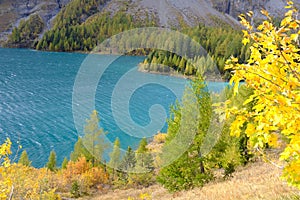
115	158
24	160
129	161
142	146
51	165
182	64
64	163
143	169
79	151
189	169
93	139
144	161
165	61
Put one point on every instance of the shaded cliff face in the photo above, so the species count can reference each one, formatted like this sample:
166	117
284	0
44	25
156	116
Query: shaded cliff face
11	12
237	7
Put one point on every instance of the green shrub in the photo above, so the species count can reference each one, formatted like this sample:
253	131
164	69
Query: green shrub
75	190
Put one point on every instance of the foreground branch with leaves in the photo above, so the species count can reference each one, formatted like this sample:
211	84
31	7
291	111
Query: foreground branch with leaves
273	73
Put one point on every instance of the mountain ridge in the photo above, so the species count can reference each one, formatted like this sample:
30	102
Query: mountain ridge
167	13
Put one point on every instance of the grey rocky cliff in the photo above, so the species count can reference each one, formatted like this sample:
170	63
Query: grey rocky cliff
237	7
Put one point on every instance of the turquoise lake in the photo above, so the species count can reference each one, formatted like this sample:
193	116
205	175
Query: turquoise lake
36	91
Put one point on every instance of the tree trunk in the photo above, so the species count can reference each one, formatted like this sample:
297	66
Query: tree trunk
201	165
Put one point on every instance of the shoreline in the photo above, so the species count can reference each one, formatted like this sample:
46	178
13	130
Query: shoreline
140	65
178	75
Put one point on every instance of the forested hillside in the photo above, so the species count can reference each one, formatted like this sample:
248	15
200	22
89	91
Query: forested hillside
219	42
72	15
27	33
79	26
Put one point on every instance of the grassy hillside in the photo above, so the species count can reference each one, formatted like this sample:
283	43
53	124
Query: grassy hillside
258	180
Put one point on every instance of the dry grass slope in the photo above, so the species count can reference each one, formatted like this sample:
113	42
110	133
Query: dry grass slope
256	181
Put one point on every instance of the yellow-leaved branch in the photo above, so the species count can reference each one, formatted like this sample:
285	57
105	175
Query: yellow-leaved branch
5	183
273	72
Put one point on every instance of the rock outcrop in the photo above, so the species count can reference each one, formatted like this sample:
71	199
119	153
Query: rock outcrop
236	7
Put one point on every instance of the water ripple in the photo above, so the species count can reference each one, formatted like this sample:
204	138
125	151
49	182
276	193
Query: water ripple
36	100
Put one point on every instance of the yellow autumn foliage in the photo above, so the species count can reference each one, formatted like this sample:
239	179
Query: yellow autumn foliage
273	73
26	182
29	182
5	183
82	172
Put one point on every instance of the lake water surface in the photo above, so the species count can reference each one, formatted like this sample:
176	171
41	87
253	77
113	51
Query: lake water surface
36	100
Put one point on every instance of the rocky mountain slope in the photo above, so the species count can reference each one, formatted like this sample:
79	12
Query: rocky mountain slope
172	12
11	12
168	13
